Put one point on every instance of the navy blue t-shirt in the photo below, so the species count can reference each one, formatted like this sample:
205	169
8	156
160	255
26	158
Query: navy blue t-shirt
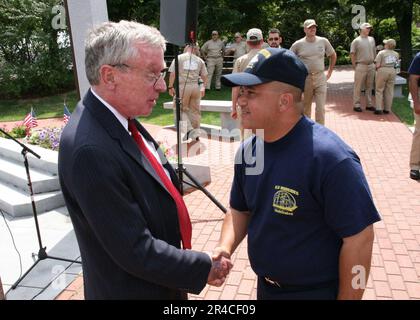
415	65
309	194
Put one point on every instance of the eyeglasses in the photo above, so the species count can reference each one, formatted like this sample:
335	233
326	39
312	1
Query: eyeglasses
273	39
151	77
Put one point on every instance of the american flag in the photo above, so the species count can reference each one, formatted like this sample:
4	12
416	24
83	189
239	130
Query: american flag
67	114
30	120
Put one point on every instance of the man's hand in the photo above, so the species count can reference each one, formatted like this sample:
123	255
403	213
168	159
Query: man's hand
329	73
171	92
203	92
219	270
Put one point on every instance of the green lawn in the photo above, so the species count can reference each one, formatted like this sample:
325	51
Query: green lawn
46	107
401	108
51	107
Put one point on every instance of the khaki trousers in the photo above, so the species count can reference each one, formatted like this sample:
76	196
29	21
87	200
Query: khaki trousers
214	67
364	77
315	87
384	94
190	108
415	147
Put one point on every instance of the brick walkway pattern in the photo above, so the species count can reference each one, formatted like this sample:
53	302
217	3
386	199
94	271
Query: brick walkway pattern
383	144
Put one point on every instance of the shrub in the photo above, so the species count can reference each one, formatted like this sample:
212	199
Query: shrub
343	56
18	131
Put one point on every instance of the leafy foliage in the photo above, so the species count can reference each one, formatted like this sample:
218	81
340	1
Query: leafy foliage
32	62
18	131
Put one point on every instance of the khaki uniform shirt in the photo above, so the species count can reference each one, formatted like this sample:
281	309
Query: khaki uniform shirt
387	58
242	62
240	49
213	49
312	54
364	49
190	66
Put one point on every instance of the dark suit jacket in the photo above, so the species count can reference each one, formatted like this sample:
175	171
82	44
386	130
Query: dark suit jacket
125	220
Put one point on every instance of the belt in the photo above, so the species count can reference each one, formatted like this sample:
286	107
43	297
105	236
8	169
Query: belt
283	286
366	64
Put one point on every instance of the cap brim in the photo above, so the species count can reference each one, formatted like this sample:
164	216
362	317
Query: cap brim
312	24
242	79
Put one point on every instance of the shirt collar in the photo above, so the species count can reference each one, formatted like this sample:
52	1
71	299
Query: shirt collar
121	118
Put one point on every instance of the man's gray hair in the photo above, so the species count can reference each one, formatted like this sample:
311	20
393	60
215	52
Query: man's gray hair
114	43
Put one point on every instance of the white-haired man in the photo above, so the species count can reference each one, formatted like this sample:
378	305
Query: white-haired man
121	193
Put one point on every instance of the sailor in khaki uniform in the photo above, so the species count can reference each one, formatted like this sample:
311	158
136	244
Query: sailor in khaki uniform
254	41
191	69
212	52
311	50
362	53
386	63
238	48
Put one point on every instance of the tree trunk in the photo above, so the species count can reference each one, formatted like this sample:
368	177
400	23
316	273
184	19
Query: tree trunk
404	24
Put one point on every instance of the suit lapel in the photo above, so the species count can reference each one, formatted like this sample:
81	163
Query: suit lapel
163	159
114	128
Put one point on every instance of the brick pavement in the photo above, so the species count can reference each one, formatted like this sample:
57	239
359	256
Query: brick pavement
383	144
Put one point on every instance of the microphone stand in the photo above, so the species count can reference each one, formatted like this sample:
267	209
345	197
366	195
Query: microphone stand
42	253
181	170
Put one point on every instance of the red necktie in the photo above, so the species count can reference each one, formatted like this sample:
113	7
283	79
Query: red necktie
183	216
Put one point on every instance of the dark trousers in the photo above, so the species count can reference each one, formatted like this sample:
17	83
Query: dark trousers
266	291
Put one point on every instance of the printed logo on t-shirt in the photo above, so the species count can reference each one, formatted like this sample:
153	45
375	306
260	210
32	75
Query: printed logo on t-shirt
390	59
284	200
190	65
320	49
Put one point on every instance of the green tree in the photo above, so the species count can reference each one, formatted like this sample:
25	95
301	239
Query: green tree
32	61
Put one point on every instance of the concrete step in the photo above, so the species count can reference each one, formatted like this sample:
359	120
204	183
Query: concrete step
12	151
14	173
17	203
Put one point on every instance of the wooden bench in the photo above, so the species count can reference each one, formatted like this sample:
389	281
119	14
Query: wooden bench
399	83
229	127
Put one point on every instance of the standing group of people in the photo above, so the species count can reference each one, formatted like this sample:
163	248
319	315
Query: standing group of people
195	75
312	49
373	72
309	197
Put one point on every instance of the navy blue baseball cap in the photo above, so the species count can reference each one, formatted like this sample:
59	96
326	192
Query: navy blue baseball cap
270	64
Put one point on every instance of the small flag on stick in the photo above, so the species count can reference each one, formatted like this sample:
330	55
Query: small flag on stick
30	120
67	114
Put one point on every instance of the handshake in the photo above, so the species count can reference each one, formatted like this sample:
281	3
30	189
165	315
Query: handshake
220	268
